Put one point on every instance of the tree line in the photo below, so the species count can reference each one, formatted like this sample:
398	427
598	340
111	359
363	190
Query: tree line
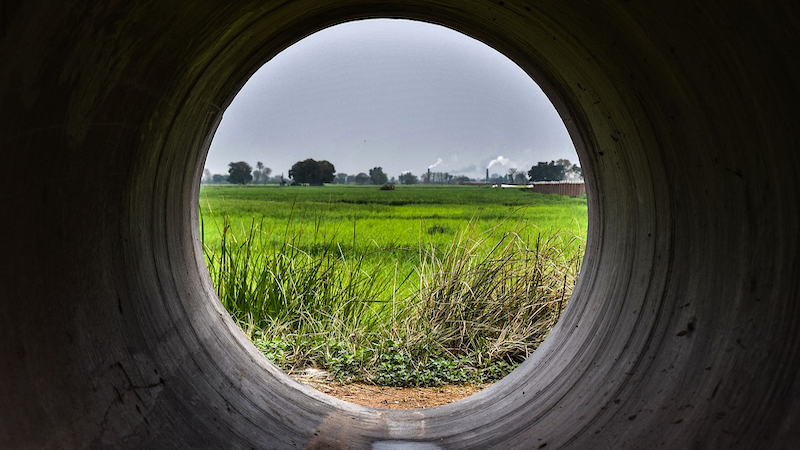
318	173
243	173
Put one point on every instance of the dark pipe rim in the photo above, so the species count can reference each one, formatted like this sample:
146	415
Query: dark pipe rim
683	329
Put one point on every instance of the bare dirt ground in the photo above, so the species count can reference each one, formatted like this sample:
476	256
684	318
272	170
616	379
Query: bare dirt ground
387	397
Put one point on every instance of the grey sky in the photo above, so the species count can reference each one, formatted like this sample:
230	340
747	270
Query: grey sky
398	94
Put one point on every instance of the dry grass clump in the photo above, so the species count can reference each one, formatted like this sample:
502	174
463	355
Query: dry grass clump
495	304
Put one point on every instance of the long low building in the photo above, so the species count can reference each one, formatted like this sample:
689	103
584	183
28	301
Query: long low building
571	188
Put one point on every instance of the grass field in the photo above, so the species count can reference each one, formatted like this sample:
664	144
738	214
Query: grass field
417	286
362	219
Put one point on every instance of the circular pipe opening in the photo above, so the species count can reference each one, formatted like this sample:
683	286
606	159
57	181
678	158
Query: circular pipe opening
268	124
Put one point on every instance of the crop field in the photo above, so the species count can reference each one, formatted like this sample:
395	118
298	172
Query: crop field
421	285
363	219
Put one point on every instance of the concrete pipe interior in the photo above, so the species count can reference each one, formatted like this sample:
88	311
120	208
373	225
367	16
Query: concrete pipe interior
682	332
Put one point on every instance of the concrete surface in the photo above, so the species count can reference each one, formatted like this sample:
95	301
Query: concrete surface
683	332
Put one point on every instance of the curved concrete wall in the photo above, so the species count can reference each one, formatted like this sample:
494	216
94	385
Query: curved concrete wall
684	328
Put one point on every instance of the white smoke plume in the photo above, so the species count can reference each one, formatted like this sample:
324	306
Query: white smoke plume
502	160
437	163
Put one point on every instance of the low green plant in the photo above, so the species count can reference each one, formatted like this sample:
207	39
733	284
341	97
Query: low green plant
467	309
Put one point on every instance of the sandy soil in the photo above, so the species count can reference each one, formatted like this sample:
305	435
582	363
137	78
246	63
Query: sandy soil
387	397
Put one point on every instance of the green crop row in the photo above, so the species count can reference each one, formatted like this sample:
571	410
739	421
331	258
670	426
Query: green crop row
417	286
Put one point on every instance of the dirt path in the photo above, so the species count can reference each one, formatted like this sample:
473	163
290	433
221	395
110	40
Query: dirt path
387	397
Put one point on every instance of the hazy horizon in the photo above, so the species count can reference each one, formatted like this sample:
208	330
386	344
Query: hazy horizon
402	95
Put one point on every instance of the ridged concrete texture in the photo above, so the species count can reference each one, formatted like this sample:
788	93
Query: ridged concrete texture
684	328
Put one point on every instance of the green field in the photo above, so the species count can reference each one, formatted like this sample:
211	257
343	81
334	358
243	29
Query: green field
365	218
442	283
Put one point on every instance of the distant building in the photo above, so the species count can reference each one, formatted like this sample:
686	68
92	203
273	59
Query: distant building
570	188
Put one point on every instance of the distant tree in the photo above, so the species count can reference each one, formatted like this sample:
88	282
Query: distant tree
575	173
219	178
305	171
572	172
327	171
239	173
207	177
341	178
362	178
408	178
512	172
547	172
437	178
312	172
520	178
257	172
377	176
261	173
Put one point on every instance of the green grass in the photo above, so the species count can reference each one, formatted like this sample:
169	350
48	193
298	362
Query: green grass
417	286
362	219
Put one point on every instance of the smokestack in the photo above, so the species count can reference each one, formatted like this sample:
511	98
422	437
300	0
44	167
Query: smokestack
429	175
487	175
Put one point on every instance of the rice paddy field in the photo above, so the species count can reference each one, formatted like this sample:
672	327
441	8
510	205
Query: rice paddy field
421	285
